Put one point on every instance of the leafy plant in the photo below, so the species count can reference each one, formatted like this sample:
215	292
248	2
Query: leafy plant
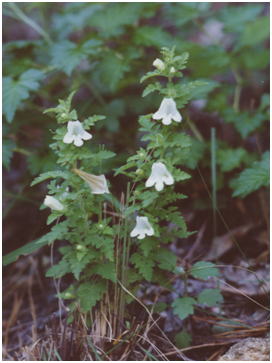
100	249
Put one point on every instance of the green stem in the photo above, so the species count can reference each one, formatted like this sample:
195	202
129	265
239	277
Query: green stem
23	17
237	91
213	177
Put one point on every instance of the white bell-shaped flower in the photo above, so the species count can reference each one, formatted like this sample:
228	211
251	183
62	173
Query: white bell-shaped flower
167	112
76	134
142	228
159	64
159	176
53	203
97	183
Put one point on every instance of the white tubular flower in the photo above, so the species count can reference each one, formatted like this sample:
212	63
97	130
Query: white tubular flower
159	64
97	183
53	203
172	70
142	228
167	112
76	134
159	176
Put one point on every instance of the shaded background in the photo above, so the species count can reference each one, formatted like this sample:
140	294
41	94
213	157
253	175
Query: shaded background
102	49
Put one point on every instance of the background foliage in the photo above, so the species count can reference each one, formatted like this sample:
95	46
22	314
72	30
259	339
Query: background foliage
103	49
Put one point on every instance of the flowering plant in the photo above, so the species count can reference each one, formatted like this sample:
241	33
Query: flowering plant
111	246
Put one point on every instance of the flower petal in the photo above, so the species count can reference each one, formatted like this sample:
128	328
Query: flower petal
158	115
150	181
134	232
176	116
78	141
68	138
167	120
85	135
159	185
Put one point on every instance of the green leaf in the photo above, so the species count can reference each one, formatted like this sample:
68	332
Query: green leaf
235	17
79	260
251	179
144	265
180	13
183	306
106	270
7	151
180	175
112	18
15	91
151	87
149	75
166	259
183	339
112	70
203	270
153	36
159	307
230	159
67	55
57	232
59	270
245	122
148	245
148	198
89	293
50	175
210	297
256	31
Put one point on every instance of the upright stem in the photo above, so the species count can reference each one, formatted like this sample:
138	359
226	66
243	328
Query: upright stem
213	177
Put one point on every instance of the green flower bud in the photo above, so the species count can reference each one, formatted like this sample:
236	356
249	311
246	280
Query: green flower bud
80	247
139	172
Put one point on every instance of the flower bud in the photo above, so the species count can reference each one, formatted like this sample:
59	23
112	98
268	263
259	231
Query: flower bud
139	171
159	64
80	247
141	154
68	295
172	70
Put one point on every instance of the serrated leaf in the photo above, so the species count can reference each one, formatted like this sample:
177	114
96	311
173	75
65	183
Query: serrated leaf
230	159
111	19
106	270
183	306
50	175
89	293
251	179
149	75
78	261
203	270
147	245
210	297
58	270
180	175
7	151
151	88
144	265
166	259
67	55
112	69
16	91
148	198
